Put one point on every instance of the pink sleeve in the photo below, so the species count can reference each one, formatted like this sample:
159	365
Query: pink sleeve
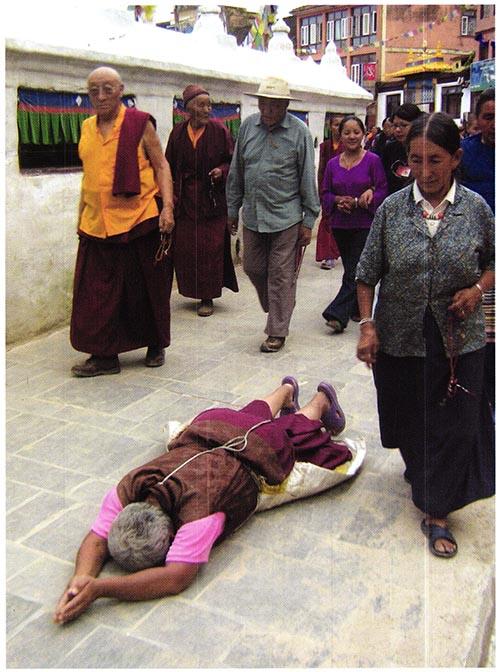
110	508
193	541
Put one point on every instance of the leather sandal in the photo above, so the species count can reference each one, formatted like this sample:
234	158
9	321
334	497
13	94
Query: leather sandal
97	366
272	344
436	532
335	326
287	410
333	419
205	308
155	356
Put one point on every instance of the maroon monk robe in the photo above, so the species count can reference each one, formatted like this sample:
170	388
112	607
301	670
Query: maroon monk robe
326	245
201	242
121	298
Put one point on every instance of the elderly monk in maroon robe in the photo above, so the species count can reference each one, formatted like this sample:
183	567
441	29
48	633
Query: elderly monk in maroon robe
121	298
199	153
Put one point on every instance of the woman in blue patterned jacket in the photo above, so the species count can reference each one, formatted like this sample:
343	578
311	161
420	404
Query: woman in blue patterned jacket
431	246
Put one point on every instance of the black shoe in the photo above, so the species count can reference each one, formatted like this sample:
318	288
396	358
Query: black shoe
272	344
155	356
97	366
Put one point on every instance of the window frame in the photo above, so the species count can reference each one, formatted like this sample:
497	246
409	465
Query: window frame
330	30
356	68
356	25
313	33
365	23
304	35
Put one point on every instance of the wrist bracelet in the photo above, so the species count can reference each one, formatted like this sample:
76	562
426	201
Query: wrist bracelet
365	320
480	289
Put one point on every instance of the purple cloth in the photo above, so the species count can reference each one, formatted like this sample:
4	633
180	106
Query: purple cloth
339	181
126	180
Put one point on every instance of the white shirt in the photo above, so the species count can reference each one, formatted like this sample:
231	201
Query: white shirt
434	215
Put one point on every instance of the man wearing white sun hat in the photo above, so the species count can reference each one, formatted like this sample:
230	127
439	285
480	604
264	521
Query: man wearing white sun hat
272	176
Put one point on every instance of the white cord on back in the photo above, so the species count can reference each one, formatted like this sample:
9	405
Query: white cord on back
230	445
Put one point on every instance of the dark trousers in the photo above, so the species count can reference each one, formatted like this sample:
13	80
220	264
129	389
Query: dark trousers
345	305
269	260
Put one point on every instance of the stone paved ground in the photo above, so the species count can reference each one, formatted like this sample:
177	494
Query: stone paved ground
343	579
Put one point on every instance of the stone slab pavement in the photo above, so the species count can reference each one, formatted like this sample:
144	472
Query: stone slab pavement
342	579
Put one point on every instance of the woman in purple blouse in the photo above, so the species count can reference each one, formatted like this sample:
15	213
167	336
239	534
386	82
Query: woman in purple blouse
353	187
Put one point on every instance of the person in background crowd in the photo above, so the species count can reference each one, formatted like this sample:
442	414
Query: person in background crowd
353	187
394	153
272	175
121	298
162	519
326	247
426	338
199	152
470	126
478	174
383	137
370	137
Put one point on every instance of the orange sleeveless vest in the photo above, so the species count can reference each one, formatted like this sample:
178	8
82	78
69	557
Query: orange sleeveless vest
103	214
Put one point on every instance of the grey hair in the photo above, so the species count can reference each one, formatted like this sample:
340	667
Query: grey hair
140	536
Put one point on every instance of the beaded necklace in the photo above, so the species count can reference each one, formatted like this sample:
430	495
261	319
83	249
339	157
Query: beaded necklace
454	337
432	217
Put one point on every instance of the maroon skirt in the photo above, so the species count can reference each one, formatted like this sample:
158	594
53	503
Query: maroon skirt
202	257
286	439
326	245
121	299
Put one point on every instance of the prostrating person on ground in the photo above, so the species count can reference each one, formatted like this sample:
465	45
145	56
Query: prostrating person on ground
199	152
431	246
121	297
272	177
162	519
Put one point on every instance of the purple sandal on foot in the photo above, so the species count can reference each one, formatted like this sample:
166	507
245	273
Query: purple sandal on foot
287	410
334	418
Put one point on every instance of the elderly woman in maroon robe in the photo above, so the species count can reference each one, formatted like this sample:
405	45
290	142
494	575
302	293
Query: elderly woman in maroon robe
199	152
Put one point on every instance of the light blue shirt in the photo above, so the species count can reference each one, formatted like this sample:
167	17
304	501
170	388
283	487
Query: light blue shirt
272	176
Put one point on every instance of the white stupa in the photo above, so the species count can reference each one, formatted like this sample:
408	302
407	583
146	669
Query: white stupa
208	51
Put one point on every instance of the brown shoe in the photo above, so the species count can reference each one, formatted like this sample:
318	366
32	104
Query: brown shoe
272	344
155	356
97	366
206	308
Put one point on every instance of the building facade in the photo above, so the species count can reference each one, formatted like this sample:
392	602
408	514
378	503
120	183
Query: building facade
404	53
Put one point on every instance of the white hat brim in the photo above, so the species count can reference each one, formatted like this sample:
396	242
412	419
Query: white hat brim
269	95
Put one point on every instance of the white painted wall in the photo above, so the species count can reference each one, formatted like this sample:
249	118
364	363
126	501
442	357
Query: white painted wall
41	207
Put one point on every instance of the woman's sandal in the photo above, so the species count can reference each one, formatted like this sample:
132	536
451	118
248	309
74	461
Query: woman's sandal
436	532
335	326
287	410
333	419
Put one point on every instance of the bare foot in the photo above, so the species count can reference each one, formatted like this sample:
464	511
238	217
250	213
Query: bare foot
288	400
